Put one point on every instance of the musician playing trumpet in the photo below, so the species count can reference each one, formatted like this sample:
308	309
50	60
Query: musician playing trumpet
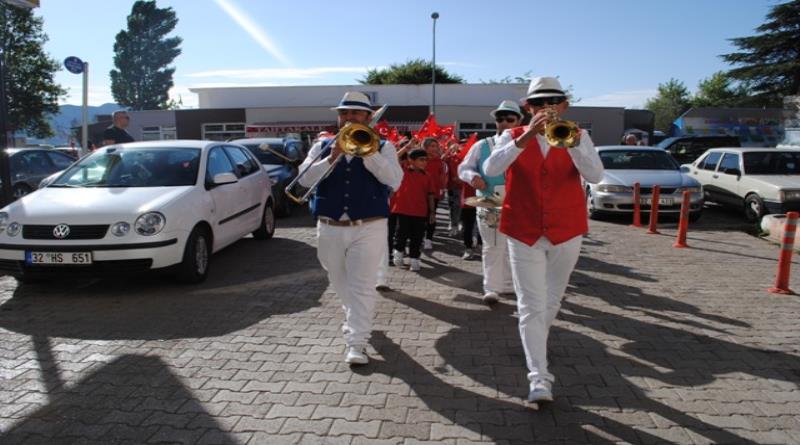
351	204
496	267
544	217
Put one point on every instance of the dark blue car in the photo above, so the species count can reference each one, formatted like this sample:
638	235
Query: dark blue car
280	161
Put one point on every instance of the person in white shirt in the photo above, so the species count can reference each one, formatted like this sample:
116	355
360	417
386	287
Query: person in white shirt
351	204
544	217
496	267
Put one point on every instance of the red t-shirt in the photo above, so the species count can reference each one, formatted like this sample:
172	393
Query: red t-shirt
466	192
438	173
453	183
411	198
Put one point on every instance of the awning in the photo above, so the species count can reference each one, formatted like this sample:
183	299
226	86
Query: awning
305	127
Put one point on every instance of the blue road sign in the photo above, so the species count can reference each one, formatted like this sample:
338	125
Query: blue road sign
73	64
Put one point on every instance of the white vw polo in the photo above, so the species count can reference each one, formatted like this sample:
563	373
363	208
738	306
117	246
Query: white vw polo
160	205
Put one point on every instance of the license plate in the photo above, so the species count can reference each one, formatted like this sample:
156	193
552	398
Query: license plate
58	257
661	201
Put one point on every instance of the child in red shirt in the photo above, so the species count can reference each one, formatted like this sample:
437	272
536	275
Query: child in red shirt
414	206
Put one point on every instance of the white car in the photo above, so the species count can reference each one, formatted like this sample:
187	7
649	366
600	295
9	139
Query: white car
160	205
756	180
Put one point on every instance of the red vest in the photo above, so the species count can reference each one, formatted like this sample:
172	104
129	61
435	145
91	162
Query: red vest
544	196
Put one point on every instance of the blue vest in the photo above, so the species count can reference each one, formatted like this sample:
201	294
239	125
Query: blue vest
491	181
350	188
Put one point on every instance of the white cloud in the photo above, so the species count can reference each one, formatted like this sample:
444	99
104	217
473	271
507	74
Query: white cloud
253	30
627	99
281	73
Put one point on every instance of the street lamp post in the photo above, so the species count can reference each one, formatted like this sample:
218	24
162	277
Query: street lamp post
434	16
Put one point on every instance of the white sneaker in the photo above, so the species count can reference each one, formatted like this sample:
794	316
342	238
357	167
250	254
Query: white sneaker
541	391
397	258
356	356
414	265
467	254
427	244
491	298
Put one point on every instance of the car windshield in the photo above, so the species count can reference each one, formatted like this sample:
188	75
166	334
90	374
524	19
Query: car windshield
772	163
637	160
666	143
134	167
266	157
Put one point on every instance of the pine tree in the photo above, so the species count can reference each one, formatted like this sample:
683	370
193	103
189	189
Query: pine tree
673	100
31	91
142	54
769	63
417	71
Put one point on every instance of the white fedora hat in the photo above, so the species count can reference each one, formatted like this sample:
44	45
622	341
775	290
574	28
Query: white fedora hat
544	87
353	100
508	106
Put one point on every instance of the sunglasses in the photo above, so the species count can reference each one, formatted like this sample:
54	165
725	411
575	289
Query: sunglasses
541	101
509	119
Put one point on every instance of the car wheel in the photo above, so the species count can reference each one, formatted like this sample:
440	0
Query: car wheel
267	227
196	255
754	208
695	216
20	190
590	207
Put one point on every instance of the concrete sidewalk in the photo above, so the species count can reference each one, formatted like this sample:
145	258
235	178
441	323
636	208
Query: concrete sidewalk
653	344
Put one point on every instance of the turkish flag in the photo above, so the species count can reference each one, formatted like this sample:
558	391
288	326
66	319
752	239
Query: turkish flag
473	138
429	128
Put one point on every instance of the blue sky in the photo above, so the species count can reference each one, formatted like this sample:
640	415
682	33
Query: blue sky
613	52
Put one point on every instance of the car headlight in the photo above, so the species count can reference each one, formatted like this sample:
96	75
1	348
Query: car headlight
613	188
13	229
120	229
150	223
3	221
789	195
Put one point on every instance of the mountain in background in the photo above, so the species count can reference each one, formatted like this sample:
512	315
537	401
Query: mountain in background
70	116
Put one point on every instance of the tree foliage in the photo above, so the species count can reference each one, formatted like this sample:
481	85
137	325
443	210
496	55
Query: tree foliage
672	100
720	90
31	91
769	63
142	78
417	71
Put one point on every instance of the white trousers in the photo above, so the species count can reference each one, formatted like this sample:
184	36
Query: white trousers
541	274
496	264
351	256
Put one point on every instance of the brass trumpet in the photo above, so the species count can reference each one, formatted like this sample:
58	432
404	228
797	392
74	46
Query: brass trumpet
560	133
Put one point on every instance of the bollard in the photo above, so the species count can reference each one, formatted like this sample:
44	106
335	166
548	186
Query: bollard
785	259
653	229
683	224
637	205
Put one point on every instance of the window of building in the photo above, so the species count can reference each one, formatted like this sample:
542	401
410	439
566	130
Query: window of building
156	133
223	132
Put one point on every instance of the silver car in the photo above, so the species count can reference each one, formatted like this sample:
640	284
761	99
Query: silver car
649	166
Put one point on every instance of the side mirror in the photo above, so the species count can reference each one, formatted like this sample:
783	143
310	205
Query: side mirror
224	178
685	168
733	171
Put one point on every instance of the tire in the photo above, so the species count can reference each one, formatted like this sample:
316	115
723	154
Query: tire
754	208
196	256
590	208
267	227
20	190
695	216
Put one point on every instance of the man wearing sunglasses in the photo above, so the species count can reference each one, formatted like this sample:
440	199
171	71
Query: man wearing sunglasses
116	134
544	218
496	267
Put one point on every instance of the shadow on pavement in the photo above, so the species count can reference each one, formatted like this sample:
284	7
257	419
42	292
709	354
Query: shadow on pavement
249	282
133	399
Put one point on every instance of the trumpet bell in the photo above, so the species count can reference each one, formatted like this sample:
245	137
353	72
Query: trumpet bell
359	140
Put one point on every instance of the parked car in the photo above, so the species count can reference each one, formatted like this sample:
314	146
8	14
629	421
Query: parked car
30	165
686	149
160	205
757	180
626	165
280	159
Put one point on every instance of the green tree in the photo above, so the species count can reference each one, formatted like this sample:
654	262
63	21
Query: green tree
673	99
769	63
417	71
31	91
142	54
719	91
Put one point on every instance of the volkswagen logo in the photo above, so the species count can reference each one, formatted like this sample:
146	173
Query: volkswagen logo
61	231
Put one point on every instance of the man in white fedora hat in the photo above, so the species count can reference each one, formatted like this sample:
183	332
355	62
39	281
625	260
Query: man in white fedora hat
544	218
351	205
496	267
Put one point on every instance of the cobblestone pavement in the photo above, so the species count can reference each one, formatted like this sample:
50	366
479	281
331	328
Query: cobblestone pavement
653	344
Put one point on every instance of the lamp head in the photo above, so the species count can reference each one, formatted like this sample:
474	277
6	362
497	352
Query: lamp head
435	15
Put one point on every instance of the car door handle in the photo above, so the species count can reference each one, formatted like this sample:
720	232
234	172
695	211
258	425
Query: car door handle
715	176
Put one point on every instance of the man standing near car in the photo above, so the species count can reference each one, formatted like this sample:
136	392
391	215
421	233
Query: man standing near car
544	217
351	205
116	134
